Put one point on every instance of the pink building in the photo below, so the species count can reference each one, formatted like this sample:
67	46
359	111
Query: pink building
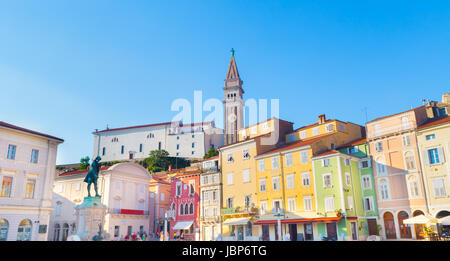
185	205
397	172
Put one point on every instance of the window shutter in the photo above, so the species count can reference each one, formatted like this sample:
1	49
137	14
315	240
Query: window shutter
369	163
425	157
441	155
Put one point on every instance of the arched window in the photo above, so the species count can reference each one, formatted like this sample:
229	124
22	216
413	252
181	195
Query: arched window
413	185
409	160
56	232
181	209
186	209
4	225
65	232
74	228
58	208
191	208
24	230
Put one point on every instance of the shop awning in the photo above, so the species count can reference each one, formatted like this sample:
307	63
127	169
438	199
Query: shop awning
236	221
298	220
180	225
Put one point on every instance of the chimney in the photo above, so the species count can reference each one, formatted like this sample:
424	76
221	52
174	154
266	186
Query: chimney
170	167
321	118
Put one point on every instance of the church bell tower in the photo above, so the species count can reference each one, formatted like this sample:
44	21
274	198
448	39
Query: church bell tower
234	104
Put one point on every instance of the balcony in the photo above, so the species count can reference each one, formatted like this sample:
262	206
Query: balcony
210	169
122	211
399	128
239	210
210	202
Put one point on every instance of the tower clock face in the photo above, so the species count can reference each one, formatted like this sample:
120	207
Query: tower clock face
232	117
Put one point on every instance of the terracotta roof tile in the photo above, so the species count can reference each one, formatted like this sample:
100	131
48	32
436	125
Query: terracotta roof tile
7	125
328	152
351	143
80	171
433	122
380	118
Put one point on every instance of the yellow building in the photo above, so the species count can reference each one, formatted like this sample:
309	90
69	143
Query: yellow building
285	179
433	139
238	166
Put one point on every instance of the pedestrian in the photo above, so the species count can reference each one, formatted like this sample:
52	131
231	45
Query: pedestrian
126	238
287	237
133	237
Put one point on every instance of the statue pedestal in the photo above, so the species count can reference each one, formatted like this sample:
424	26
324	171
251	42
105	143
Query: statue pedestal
90	218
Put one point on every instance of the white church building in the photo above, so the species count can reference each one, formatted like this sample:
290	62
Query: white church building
190	141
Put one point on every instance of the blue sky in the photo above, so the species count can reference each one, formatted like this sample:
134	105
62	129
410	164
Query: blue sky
69	67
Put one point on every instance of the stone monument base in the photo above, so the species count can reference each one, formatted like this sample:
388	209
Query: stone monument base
90	216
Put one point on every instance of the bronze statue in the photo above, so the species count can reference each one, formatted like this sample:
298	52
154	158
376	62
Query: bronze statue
92	176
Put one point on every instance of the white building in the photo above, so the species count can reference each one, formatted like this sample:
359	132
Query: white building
124	191
190	141
27	171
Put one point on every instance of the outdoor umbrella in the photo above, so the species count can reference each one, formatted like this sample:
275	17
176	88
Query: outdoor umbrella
420	219
445	221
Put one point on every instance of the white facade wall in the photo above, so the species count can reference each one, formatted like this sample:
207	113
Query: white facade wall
157	137
17	207
122	186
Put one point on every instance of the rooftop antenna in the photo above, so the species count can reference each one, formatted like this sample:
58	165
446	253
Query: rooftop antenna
365	112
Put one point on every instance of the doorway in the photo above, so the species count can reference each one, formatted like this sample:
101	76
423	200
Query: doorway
265	232
308	229
354	231
405	230
389	225
419	228
331	231
293	232
372	224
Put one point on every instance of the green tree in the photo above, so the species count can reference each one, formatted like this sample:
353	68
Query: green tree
158	160
84	162
211	153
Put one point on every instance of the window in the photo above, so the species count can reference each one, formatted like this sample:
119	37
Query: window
103	151
341	127
191	208
193	136
11	152
122	149
350	202
368	204
439	187
262	165
353	149
307	203
178	192
329	204
34	156
58	208
276	205
140	147
193	144
178	146
433	156
364	164
405	123
379	146
384	190
178	137
247	201
245	154
262	185
191	187
246	175
366	182
6	187
381	168
230	178
332	146
29	189
162	196
406	139
288	159
325	162
303	134
159	145
276	183
348	180
409	160
141	205
291	137
347	162
181	209
414	190
327	180
329	127
430	137
116	231
304	157
230	202
192	152
290	181
230	158
274	162
291	204
315	131
263	207
305	179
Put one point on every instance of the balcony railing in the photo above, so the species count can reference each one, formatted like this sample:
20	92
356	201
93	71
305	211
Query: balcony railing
122	211
391	130
210	202
210	169
238	210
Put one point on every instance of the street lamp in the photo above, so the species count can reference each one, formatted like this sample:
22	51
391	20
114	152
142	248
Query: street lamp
278	215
